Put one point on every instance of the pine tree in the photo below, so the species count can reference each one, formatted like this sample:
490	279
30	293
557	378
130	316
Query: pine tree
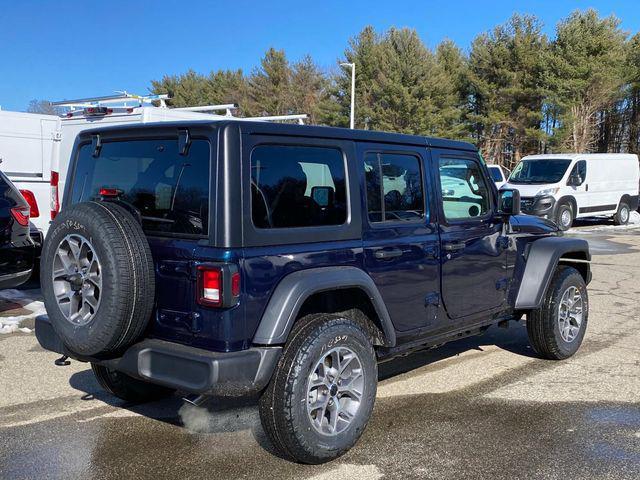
401	86
191	88
586	76
308	89
270	85
506	83
453	77
632	100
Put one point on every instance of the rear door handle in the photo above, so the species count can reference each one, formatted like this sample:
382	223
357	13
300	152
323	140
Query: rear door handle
453	246
431	252
387	254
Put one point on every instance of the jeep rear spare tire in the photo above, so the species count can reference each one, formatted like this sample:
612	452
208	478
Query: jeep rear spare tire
97	278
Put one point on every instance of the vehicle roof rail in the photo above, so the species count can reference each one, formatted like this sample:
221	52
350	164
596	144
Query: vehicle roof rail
300	117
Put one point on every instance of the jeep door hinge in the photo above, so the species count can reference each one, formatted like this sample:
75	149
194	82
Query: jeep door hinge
432	305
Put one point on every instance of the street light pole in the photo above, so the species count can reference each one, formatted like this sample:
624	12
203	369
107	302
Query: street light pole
352	119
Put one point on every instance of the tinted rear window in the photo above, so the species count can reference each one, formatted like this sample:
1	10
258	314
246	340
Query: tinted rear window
170	191
296	186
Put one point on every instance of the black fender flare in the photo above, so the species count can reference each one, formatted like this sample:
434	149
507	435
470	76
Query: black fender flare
630	200
570	199
292	291
542	259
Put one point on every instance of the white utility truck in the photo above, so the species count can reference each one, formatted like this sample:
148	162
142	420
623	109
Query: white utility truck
28	144
563	187
35	149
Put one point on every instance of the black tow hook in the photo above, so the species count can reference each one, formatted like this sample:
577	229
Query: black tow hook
62	361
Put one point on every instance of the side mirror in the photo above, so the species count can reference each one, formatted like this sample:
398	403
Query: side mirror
323	196
575	180
509	202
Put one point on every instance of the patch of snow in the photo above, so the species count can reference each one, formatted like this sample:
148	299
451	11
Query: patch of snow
25	300
634	223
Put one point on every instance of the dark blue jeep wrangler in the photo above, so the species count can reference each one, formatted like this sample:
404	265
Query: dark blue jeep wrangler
239	258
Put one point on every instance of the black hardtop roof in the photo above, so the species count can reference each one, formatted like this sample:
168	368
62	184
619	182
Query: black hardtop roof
270	128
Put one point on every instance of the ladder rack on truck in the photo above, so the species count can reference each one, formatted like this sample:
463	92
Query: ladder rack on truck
98	106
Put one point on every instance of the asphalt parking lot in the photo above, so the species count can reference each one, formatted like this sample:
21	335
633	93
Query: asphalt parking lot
483	407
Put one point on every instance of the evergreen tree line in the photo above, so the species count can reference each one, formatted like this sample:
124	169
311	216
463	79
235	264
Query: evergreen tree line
515	92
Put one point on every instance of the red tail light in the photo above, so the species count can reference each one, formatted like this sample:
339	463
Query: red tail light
209	286
55	202
218	285
235	284
21	215
110	192
31	200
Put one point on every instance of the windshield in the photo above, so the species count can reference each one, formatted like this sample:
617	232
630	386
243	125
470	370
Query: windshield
540	171
496	174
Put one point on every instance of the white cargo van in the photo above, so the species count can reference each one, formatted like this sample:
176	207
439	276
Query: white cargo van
563	187
35	149
27	145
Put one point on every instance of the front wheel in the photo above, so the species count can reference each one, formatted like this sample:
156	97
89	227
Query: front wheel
622	215
322	393
556	329
564	217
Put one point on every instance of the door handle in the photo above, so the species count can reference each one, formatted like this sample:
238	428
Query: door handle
387	254
453	246
431	252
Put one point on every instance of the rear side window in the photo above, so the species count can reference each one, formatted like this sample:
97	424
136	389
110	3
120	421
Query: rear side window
170	191
394	187
296	186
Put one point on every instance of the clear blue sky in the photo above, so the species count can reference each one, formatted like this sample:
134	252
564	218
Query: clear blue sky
64	49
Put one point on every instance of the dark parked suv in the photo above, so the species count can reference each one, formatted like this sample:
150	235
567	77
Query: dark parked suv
17	249
237	258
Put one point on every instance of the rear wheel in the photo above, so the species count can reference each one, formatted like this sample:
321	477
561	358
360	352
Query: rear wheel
556	329
564	216
128	388
322	393
622	215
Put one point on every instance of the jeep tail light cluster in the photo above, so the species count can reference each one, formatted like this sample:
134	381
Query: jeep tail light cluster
218	285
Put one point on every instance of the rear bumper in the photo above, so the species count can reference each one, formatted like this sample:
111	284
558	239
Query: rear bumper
182	367
38	238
